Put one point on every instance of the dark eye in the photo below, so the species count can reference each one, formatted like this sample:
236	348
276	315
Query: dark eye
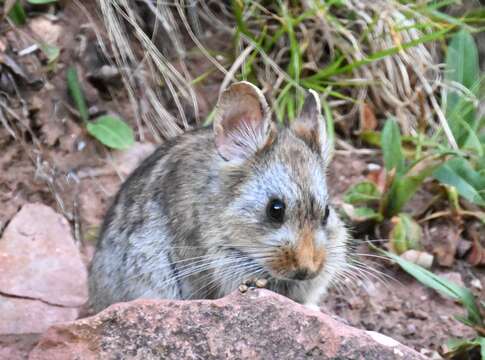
325	216
275	211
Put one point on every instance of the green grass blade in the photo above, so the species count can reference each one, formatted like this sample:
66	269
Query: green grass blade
443	286
76	93
17	14
330	125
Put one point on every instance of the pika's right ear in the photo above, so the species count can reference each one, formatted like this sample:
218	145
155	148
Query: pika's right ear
242	123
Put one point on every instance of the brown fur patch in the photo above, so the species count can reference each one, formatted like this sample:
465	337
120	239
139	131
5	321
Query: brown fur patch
285	262
303	256
307	255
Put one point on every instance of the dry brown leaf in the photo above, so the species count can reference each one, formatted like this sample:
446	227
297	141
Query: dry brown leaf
378	177
368	120
476	257
444	236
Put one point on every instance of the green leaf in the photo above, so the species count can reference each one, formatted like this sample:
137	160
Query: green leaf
401	191
462	60
391	147
295	64
404	187
464	346
471	141
362	193
443	286
482	347
461	67
406	234
371	137
76	93
17	14
112	132
52	52
361	214
469	183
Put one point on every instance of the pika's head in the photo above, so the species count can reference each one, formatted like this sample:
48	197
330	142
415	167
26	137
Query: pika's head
277	216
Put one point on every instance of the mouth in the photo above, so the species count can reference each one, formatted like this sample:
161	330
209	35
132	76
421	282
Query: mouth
263	272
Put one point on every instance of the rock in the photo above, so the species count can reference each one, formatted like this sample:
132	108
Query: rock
255	325
15	347
42	278
24	316
39	259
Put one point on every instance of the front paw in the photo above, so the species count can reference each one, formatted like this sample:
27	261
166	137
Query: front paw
253	283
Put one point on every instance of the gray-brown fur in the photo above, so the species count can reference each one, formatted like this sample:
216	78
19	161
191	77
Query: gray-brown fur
191	221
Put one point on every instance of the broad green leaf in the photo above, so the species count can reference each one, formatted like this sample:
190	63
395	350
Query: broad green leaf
461	67
469	183
361	214
406	234
76	93
391	147
459	347
112	132
362	193
368	214
52	52
462	60
444	286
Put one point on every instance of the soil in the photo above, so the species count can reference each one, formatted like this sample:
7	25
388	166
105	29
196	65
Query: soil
52	160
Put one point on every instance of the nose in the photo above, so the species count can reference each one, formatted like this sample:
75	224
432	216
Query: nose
301	274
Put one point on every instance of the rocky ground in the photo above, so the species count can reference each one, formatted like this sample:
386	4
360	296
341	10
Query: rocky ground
56	183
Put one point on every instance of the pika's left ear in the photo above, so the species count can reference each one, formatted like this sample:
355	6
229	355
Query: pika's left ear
310	125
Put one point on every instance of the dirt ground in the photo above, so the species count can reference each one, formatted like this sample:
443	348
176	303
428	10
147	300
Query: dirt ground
52	160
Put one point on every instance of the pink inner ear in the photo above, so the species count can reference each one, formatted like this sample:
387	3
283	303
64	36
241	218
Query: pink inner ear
241	136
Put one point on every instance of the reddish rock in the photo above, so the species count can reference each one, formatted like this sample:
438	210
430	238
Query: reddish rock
23	316
42	278
39	259
255	325
15	347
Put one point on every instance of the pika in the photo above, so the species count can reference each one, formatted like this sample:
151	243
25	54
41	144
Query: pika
216	206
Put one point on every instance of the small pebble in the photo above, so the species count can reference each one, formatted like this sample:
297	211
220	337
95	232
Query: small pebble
243	288
261	283
476	283
410	329
373	167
